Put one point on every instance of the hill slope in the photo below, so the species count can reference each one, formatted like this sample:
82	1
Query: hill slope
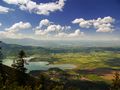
43	82
14	77
13	49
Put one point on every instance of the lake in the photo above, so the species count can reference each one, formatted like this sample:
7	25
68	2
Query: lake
42	65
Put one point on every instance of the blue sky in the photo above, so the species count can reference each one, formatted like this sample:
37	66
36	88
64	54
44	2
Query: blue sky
61	15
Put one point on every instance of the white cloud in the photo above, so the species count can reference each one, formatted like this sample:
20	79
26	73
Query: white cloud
76	34
46	27
18	26
5	9
53	28
13	31
104	29
41	8
49	29
85	24
104	20
4	34
16	1
100	24
44	22
78	20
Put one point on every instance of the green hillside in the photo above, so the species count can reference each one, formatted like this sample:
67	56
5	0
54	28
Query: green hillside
12	49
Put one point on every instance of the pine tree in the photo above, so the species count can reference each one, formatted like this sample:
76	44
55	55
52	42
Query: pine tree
19	63
1	55
19	66
1	59
2	72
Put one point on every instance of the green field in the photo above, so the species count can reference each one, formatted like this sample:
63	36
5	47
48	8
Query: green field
90	60
96	66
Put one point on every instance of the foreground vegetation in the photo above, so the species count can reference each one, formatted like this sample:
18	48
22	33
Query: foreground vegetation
95	68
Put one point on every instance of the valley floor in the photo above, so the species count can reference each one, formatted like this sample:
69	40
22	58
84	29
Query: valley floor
93	66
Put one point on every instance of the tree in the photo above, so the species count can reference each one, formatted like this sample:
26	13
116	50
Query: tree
19	63
1	59
2	72
1	55
116	82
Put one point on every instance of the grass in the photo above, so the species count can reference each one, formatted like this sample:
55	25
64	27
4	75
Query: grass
94	77
88	60
95	65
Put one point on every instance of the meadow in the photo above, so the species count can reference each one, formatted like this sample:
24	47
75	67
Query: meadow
93	65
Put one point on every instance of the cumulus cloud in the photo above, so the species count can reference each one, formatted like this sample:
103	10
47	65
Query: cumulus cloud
51	29
75	34
12	32
16	1
41	8
100	24
18	26
45	29
44	22
48	28
5	9
4	34
104	29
